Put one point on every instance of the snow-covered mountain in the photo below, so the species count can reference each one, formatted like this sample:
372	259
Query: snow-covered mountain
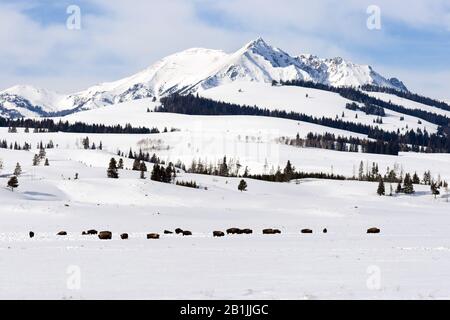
195	70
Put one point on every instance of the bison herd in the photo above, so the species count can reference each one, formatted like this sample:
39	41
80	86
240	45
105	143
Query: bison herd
107	235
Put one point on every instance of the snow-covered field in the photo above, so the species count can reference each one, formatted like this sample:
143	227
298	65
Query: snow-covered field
408	259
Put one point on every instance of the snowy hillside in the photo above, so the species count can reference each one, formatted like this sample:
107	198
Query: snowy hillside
291	265
313	102
195	70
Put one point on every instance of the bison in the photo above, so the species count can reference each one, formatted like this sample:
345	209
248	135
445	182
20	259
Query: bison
218	234
247	231
234	231
187	233
124	236
92	231
105	235
306	231
152	236
62	233
31	234
167	232
325	230
178	230
373	230
271	231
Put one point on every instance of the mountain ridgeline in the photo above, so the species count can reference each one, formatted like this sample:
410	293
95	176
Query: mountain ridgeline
192	71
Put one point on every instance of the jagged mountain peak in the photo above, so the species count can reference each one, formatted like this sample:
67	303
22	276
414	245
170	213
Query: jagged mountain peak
197	69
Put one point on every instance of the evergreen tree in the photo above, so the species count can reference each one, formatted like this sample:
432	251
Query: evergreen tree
36	160
136	164
143	169
156	173
361	171
381	189
86	143
415	179
427	177
120	164
434	189
42	153
112	169
288	171
408	184
18	170
46	162
399	188
223	170
242	185
13	183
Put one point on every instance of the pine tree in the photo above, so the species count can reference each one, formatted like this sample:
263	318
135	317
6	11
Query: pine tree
399	188
408	184
112	169
42	153
381	189
18	170
36	160
242	185
86	143
120	165
155	175
434	189
143	169
13	183
415	179
223	170
288	171
136	164
46	162
361	171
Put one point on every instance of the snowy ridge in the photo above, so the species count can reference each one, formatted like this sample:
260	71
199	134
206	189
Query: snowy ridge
195	70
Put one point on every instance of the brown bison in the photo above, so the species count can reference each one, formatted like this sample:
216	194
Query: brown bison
124	236
247	231
325	230
218	234
271	231
373	230
62	233
92	231
187	233
178	230
152	236
167	232
105	235
306	231
84	233
31	234
234	231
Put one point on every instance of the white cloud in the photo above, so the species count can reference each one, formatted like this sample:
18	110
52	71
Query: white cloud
127	37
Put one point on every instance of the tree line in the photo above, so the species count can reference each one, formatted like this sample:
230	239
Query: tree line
48	125
408	95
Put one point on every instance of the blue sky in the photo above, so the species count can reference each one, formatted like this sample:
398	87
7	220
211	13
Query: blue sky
119	38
